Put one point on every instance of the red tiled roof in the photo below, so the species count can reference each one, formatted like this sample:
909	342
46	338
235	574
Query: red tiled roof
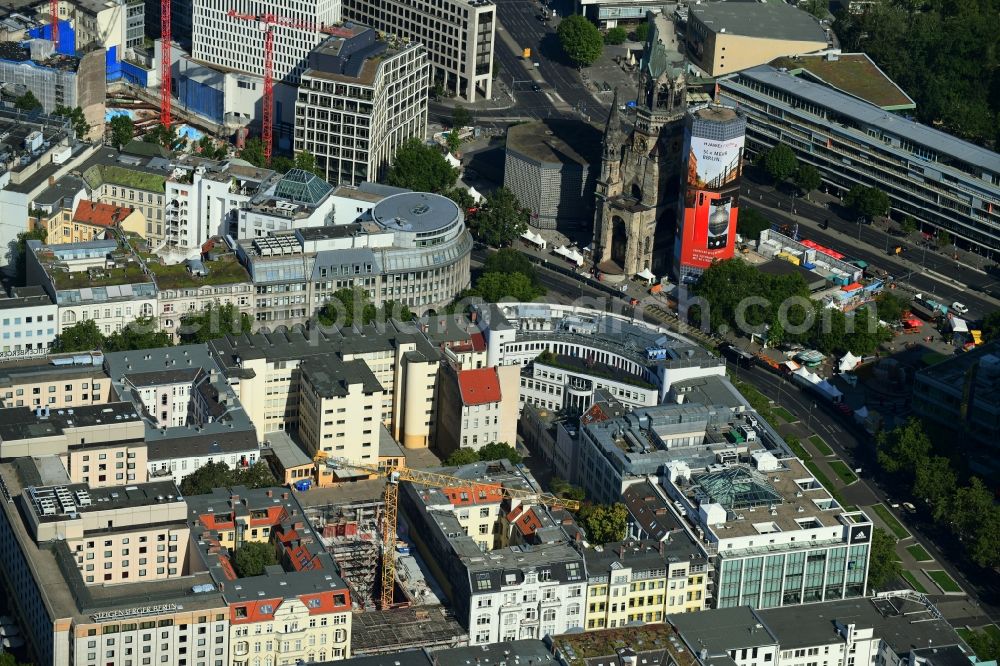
475	494
480	386
525	520
478	342
100	214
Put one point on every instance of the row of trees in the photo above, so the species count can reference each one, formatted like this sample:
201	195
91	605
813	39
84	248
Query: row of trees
492	451
221	475
507	275
740	297
213	322
967	511
348	307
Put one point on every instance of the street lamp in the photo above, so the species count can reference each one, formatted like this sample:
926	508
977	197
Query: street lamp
860	221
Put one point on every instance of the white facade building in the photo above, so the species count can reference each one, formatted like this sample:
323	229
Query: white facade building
361	98
29	323
458	34
299	200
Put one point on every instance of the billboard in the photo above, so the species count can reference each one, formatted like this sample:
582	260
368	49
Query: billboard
711	203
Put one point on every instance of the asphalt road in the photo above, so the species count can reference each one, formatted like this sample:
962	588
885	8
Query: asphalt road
852	445
843	235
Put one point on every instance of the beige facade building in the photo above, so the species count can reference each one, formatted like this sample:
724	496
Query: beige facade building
90	220
726	37
340	409
41	383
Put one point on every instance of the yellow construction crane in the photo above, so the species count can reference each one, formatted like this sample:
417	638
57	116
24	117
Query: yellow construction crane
393	475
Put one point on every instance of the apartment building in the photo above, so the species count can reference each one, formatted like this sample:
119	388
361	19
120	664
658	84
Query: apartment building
631	582
298	610
340	409
361	98
459	36
944	183
499	592
472	411
97	281
265	370
129	181
90	220
116	25
29	323
71	380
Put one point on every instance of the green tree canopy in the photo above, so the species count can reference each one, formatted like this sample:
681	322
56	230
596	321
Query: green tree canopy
985	645
253	152
908	225
80	124
991	326
210	150
604	523
883	567
122	130
500	220
499	451
642	32
807	178
868	201
348	307
903	449
750	222
164	136
616	35
943	239
81	336
422	168
567	490
307	162
221	475
460	117
496	287
214	322
462	456
27	102
143	333
252	557
780	162
890	306
934	482
460	196
508	260
976	519
580	40
18	250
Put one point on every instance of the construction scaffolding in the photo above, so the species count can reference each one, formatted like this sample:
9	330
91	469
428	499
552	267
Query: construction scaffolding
392	631
350	533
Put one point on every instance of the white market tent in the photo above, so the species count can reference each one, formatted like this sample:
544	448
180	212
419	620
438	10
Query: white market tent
534	238
478	198
849	361
453	161
646	275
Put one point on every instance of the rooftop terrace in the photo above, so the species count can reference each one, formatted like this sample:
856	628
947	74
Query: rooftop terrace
576	649
224	268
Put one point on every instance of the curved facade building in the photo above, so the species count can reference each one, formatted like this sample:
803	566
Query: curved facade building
428	262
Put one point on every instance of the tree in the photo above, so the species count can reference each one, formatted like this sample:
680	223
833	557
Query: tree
454	141
208	148
164	136
462	456
984	644
567	490
252	557
976	521
500	220
902	450
499	451
642	32
19	249
807	178
991	326
780	162
205	478
883	567
460	196
122	131
496	287
934	482
943	239
253	152
81	336
750	222
460	117
818	8
908	225
281	163
867	201
580	40
422	168
257	475
509	260
604	523
142	333
616	35
890	306
307	162
27	102
8	659
80	124
214	322
348	307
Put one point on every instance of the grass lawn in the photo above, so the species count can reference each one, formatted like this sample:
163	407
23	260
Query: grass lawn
918	553
825	480
843	471
785	415
821	446
894	525
943	580
993	630
226	270
914	583
796	446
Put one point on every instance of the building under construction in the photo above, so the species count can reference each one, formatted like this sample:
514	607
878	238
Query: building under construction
391	631
351	534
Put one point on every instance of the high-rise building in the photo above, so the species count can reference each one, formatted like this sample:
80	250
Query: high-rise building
706	225
360	99
458	35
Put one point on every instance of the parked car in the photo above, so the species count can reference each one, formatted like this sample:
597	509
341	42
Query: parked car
959	308
909	508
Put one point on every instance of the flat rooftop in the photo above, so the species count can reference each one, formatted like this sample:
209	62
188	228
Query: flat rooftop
557	142
769	20
19	423
416	212
580	649
376	632
853	73
721	629
332	377
221	268
953	371
58	503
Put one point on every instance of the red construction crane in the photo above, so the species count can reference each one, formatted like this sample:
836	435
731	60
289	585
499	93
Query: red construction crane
165	64
54	10
267	21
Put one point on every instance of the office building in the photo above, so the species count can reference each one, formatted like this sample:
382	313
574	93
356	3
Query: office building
265	369
459	36
853	73
296	200
944	183
476	407
499	591
29	323
97	281
547	166
722	38
361	98
56	79
631	582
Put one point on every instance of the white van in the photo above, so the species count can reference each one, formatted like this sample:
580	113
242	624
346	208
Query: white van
959	308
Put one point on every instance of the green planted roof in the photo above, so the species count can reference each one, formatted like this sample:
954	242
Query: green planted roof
302	187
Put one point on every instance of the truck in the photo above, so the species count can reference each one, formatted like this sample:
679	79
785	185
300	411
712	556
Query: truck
932	304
